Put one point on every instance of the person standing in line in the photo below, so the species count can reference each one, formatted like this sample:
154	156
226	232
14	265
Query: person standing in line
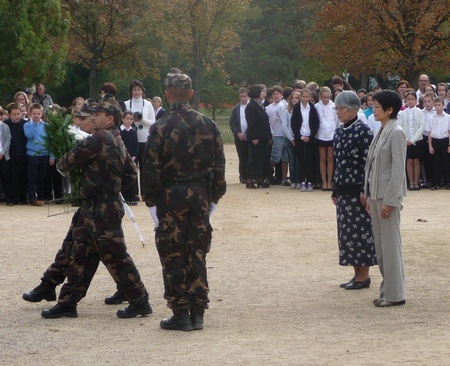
5	143
144	117
107	168
38	158
238	126
384	188
423	81
40	97
259	138
130	139
158	108
328	124
184	178
350	145
18	156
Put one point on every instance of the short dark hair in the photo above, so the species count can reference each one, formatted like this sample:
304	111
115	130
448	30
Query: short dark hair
278	89
389	99
255	91
110	88
287	91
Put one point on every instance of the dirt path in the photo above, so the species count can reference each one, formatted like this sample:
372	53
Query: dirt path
275	296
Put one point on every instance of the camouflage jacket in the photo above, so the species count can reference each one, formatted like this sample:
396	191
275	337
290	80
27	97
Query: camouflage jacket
183	145
106	166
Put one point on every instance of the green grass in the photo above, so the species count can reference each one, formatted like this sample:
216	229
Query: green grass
222	120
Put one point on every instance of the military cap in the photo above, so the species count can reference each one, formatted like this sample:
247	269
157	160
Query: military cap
77	112
106	105
177	79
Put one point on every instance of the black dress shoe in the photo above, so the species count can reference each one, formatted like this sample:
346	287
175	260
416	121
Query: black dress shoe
197	318
179	321
342	285
117	298
133	310
42	292
357	285
384	303
60	311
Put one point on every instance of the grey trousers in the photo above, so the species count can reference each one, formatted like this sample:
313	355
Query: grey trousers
388	247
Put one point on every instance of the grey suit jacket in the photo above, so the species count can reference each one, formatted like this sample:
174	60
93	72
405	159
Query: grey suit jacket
6	140
385	166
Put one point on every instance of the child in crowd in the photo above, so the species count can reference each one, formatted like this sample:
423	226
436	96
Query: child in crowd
369	110
130	139
293	99
426	168
305	124
438	129
5	143
18	155
412	122
37	156
328	124
441	91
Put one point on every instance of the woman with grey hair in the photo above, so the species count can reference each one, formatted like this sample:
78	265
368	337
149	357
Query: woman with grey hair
351	143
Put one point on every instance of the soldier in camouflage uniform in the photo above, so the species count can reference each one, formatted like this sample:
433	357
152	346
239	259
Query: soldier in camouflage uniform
183	180
97	234
56	273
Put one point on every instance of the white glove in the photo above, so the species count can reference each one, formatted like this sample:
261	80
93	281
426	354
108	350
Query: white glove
212	209
154	216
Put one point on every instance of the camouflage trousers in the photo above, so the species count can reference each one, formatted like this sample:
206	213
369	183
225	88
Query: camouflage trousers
56	273
182	239
98	236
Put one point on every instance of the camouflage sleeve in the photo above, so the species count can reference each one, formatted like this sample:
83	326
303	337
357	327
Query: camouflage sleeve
82	153
219	185
130	172
151	168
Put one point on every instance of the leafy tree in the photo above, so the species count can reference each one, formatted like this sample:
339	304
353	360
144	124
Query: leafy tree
112	34
216	93
269	51
407	37
32	44
199	33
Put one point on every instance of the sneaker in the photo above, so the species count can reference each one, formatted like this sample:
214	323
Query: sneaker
293	185
60	311
117	298
298	186
133	310
42	292
310	187
37	203
285	182
303	187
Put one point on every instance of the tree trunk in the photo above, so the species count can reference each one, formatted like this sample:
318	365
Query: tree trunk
93	79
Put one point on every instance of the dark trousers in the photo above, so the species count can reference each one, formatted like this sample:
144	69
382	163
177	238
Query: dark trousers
36	173
440	160
18	179
53	183
140	160
426	161
306	156
98	236
4	179
258	167
242	152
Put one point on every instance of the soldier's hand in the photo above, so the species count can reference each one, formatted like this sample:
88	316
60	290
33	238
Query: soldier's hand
154	216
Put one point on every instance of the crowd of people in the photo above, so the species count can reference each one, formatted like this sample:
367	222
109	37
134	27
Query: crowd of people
285	136
28	172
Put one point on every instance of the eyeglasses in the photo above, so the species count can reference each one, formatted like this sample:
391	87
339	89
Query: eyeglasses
339	108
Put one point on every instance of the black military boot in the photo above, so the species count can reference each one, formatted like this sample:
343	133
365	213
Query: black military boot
117	298
45	291
133	310
179	321
60	311
197	318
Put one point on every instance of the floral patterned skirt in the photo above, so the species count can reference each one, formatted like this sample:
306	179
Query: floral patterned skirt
355	237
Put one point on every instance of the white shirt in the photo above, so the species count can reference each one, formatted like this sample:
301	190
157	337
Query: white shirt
275	113
305	130
148	116
438	126
242	117
427	115
328	121
373	124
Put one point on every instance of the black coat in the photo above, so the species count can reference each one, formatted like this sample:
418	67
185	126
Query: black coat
297	120
258	127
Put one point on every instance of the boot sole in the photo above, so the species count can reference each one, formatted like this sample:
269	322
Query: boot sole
115	302
51	298
125	315
61	315
184	328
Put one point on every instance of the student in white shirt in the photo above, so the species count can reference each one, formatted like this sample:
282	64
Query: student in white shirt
426	167
328	124
438	128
